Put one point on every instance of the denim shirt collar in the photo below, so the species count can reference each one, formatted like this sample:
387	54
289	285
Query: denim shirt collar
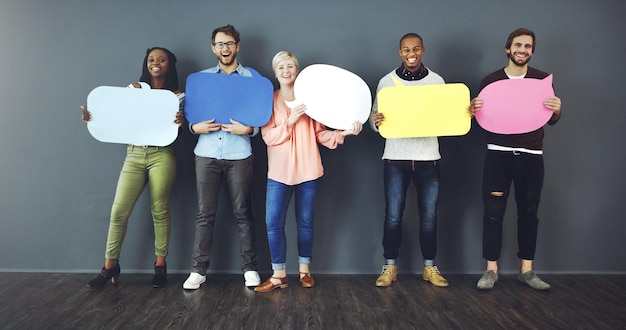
216	69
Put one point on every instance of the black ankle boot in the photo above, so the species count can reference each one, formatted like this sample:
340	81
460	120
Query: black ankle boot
105	275
160	276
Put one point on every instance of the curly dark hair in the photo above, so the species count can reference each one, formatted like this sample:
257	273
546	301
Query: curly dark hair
171	77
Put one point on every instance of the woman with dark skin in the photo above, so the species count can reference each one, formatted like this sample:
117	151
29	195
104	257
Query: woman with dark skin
143	165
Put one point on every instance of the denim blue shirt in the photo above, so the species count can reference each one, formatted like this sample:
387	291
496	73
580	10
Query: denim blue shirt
225	145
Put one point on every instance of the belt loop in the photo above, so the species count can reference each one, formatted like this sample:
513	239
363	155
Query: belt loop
516	153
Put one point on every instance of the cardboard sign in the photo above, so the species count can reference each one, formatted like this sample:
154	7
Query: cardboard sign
247	100
333	96
425	110
137	116
515	106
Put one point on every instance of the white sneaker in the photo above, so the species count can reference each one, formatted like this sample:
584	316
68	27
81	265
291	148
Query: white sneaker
193	281
252	278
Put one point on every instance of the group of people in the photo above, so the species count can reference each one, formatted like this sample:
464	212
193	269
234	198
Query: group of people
223	153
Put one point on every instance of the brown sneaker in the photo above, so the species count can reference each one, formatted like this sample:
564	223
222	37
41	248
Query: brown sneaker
387	275
432	274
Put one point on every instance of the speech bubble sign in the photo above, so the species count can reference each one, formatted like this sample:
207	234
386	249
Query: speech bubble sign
424	110
248	100
333	96
515	106
137	116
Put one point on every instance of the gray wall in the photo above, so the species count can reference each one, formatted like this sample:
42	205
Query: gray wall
58	182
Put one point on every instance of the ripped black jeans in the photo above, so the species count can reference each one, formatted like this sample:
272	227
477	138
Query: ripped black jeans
526	172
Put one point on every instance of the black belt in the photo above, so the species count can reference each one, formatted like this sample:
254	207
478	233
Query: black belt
413	162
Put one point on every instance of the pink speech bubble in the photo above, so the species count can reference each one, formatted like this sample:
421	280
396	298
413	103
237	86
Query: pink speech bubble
514	106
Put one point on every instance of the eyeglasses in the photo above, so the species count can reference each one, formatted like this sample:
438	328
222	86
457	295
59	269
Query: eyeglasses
220	45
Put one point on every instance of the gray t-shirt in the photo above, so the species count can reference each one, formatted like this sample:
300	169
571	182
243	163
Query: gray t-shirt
422	148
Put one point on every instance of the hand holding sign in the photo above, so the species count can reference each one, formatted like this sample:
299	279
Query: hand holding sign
133	116
515	106
333	96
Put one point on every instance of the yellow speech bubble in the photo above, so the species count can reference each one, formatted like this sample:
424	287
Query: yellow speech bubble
425	110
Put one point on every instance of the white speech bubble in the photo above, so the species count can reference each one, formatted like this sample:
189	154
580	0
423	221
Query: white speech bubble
133	115
333	96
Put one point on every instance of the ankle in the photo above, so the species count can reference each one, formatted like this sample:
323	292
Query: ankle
110	264
279	274
526	266
492	266
304	269
160	262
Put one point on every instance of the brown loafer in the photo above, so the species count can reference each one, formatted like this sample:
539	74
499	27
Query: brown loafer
307	281
269	285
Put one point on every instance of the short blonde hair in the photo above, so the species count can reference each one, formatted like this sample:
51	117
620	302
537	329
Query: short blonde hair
283	55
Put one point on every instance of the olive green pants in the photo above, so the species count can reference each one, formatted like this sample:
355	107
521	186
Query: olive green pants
155	166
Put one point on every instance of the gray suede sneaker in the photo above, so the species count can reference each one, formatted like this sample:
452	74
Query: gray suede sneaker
530	278
487	281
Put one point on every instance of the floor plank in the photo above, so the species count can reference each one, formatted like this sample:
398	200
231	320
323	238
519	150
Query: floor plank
63	301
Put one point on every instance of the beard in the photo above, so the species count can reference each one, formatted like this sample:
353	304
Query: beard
513	59
230	60
227	61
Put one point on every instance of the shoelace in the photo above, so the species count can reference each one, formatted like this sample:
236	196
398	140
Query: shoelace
433	270
387	269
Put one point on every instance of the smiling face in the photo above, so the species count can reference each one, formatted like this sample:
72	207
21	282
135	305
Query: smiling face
521	50
411	51
157	63
286	71
227	55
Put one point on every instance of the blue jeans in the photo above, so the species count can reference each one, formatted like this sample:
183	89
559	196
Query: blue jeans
526	172
276	204
237	175
425	177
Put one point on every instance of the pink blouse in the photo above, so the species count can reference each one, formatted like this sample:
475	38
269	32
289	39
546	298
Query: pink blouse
293	156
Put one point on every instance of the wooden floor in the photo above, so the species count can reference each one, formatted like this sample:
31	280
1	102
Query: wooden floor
63	301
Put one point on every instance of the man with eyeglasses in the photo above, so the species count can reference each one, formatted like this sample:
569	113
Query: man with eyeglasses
224	153
405	160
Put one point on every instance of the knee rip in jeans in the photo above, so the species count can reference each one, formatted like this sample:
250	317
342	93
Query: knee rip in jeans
496	194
